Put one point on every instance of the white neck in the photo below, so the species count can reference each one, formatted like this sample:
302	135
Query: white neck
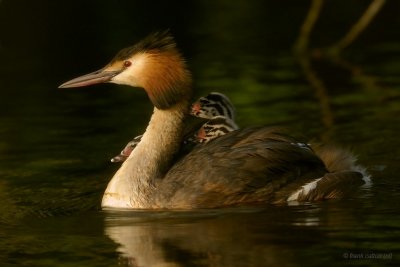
134	183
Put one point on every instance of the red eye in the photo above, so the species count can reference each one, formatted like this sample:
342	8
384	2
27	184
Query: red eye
127	63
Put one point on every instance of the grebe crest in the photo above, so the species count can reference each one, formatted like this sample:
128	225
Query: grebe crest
154	64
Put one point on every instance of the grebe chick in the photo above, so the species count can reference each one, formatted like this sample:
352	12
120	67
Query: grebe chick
124	154
246	166
214	128
212	105
207	107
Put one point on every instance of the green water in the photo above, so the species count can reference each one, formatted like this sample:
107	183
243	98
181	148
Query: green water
56	145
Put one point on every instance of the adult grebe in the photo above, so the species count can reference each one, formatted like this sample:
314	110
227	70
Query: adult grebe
252	165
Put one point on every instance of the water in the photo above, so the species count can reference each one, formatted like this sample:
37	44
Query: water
55	145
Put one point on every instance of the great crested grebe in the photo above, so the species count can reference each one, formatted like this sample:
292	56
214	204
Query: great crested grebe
215	107
247	166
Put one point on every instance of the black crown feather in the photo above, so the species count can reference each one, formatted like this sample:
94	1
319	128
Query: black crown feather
158	41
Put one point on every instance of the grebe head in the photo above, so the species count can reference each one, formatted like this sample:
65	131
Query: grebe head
154	64
214	128
214	104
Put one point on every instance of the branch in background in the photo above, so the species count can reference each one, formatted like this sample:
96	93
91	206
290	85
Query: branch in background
359	26
301	51
333	52
301	44
321	93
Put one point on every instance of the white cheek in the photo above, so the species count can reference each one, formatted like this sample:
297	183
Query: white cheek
134	73
125	78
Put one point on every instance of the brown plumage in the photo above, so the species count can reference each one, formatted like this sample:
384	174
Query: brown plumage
252	165
261	161
336	158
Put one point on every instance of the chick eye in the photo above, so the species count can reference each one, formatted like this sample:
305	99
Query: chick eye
127	63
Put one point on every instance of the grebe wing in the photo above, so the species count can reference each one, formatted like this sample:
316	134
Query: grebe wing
243	166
